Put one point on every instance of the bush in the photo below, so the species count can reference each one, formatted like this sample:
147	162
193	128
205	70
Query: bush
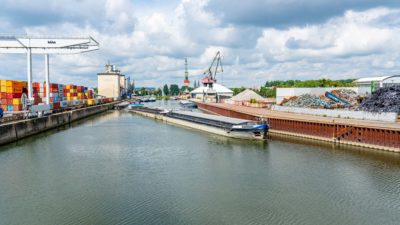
253	100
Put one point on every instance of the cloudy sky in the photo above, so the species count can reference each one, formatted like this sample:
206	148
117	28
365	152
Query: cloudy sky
260	40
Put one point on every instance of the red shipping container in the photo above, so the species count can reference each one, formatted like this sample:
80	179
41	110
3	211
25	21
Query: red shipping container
3	95
9	102
9	95
17	95
56	105
4	107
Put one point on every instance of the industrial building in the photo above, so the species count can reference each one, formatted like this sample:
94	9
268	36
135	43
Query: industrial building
217	89
378	82
111	83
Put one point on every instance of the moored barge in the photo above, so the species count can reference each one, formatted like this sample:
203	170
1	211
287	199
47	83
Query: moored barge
221	125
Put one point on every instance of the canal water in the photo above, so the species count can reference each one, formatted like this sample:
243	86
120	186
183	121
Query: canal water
121	168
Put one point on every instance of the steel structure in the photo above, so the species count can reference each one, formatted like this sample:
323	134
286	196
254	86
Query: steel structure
211	72
46	46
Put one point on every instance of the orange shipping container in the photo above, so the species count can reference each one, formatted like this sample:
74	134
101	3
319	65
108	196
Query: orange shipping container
17	107
17	90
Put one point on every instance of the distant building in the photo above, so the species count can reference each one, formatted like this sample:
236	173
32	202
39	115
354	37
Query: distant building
217	90
111	83
378	82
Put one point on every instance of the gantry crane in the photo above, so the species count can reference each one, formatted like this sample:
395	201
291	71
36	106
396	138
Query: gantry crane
45	46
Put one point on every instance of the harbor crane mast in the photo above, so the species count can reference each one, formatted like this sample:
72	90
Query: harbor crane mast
211	72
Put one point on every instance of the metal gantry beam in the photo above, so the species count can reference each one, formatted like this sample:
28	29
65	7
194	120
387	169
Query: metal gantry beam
46	46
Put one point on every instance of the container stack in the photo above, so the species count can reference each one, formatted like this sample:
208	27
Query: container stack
54	92
88	93
70	92
11	93
80	92
37	99
61	96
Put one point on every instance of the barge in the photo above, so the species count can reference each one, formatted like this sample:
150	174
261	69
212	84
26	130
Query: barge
221	125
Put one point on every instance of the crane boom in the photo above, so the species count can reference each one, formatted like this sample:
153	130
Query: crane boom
211	72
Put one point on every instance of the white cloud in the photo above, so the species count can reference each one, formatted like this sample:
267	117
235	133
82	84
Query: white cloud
150	45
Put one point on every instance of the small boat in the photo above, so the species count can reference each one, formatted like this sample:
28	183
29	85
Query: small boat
187	104
152	99
135	105
220	125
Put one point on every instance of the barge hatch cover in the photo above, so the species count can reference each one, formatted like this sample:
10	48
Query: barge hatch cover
233	121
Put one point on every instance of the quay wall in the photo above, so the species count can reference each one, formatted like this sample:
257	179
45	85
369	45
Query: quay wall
17	130
383	138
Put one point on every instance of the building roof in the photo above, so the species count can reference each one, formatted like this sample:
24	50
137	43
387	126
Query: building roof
217	87
376	79
246	95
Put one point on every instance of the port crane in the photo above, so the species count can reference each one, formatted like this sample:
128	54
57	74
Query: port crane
211	72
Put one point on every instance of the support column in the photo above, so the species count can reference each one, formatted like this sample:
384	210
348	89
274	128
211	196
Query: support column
47	74
29	72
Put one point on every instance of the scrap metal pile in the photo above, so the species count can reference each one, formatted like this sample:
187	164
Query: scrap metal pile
307	101
348	99
348	95
383	100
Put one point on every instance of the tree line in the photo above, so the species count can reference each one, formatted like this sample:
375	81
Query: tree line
269	89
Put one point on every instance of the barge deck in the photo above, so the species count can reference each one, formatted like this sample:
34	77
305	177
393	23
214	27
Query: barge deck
221	125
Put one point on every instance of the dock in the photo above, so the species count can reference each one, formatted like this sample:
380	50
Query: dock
341	131
17	130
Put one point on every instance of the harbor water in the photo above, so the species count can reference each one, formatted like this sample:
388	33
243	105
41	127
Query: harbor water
121	168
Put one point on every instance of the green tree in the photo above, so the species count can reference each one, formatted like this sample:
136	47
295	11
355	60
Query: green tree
166	90
143	91
266	92
174	89
158	92
238	90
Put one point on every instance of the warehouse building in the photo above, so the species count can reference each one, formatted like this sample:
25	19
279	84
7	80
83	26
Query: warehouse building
378	82
111	83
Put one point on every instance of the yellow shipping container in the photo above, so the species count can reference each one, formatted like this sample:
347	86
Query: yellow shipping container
3	83
10	89
16	101
75	98
3	88
9	83
90	102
